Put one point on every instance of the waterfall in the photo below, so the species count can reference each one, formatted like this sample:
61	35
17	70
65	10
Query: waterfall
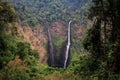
50	50
67	46
64	54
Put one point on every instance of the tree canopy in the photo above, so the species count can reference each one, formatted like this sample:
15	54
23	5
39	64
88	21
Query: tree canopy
42	11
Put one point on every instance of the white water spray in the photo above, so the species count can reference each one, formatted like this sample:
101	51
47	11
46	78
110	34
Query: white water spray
68	45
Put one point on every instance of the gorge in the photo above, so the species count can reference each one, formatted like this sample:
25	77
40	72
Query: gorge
64	53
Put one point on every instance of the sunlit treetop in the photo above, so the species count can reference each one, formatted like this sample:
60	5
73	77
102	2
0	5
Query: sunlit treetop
7	12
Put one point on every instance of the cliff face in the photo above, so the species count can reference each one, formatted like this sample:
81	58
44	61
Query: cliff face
37	36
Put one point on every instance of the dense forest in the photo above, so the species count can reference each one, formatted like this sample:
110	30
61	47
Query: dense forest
43	11
93	52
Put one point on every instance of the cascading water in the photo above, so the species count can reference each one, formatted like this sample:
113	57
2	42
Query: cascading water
64	54
50	50
67	46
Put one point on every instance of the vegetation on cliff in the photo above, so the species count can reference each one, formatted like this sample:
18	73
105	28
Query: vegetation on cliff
100	61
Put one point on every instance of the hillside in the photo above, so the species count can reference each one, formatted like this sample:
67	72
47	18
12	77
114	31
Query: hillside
37	37
38	15
59	39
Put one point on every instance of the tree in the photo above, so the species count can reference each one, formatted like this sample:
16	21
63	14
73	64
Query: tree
106	13
7	15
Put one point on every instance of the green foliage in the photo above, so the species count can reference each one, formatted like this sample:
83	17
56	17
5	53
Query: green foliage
101	37
7	54
83	65
88	68
34	53
42	11
19	62
18	67
57	41
92	39
7	47
15	57
15	70
23	49
7	13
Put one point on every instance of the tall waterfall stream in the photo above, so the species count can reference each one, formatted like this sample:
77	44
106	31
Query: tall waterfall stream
68	45
51	49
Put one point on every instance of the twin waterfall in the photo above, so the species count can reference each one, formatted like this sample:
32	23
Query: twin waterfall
63	59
